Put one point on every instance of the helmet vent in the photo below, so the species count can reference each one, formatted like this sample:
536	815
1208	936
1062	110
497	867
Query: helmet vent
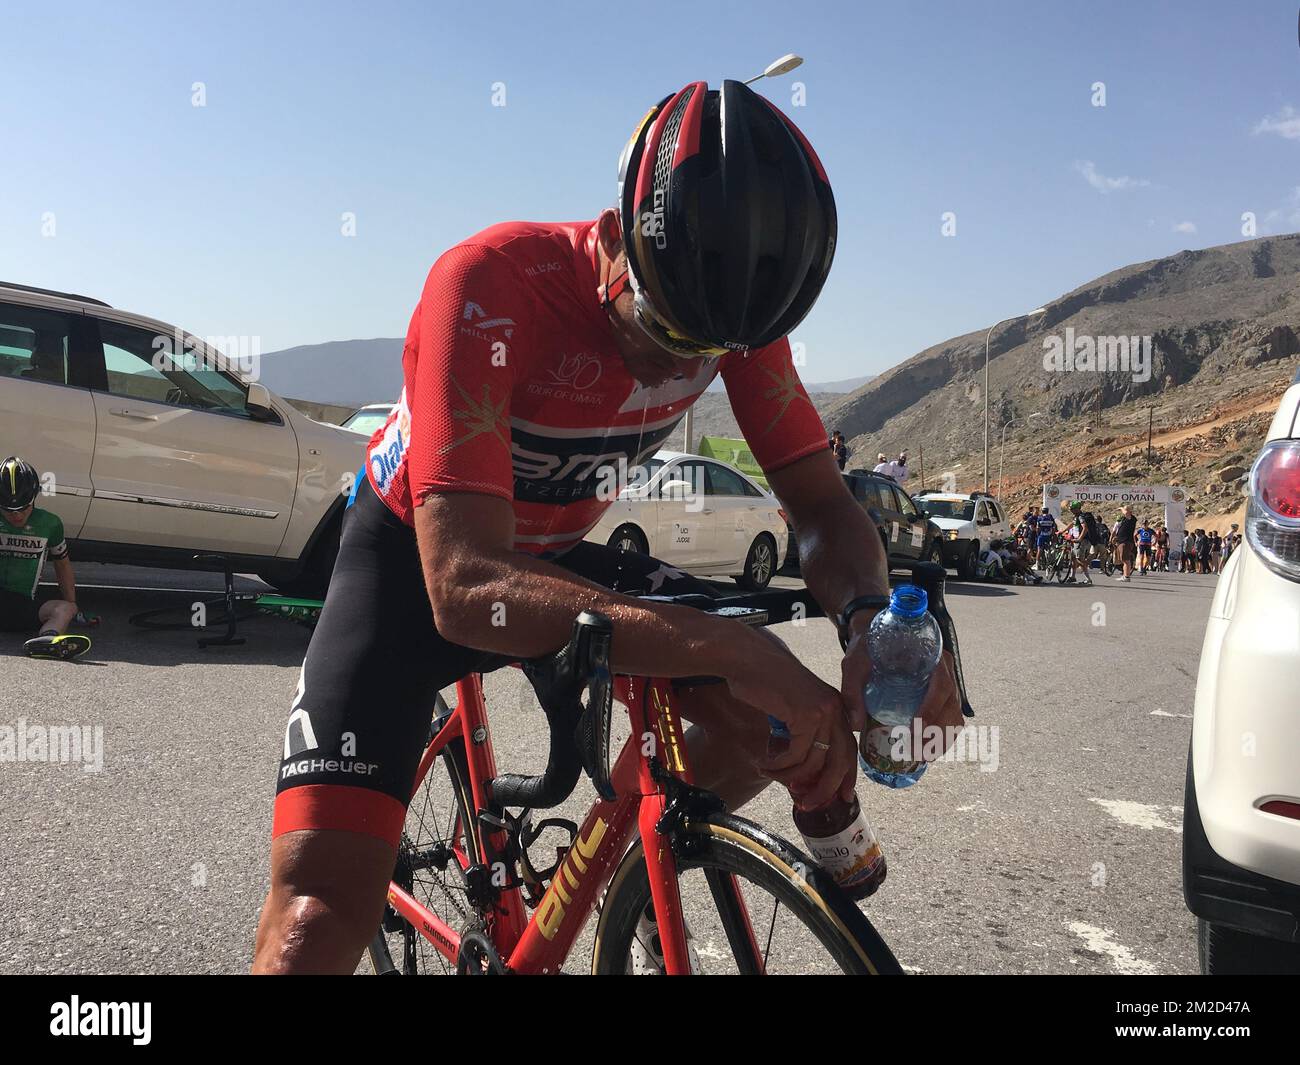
668	142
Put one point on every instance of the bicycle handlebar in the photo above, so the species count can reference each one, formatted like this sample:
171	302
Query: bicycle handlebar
579	736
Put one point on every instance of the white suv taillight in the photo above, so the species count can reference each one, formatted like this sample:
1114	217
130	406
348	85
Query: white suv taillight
1273	515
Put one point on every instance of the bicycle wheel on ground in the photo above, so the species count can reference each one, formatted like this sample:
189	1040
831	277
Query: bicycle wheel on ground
753	904
200	614
439	842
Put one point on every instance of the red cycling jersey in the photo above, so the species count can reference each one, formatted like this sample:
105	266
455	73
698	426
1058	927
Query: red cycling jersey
513	386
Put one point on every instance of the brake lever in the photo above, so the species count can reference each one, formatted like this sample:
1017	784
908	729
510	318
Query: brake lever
932	577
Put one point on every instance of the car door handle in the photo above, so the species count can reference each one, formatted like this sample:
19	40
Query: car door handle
123	413
707	510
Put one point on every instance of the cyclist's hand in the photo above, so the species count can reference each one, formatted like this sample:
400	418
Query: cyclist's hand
819	758
941	705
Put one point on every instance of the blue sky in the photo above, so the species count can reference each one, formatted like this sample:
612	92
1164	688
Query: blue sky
226	218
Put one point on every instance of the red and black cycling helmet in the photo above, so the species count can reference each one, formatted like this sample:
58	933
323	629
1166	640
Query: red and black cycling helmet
19	484
728	221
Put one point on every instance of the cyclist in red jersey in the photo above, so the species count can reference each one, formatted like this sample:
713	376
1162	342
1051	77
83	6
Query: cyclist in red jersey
542	361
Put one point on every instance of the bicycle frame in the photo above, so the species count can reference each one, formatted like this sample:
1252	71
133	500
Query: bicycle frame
541	944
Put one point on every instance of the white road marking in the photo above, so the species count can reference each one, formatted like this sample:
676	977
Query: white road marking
1165	713
1102	941
1140	814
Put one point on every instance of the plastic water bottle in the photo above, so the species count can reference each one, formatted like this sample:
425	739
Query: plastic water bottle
905	644
838	836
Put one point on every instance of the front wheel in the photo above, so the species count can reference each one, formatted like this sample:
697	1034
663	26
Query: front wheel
753	905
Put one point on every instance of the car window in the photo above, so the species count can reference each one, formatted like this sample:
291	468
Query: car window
34	344
640	475
885	495
690	472
994	513
962	509
366	421
905	504
139	367
724	482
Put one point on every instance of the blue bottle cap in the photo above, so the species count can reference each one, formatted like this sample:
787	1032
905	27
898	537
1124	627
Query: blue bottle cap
908	601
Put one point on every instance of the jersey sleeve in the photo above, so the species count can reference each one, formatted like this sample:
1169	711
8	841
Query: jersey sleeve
56	546
468	341
775	415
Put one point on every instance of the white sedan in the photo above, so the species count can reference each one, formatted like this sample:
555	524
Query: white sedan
699	515
1241	819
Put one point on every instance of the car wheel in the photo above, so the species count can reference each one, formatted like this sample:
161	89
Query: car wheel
1225	951
760	564
313	580
936	553
967	562
628	537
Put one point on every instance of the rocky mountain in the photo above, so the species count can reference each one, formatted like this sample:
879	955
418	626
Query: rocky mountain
345	372
353	372
1211	317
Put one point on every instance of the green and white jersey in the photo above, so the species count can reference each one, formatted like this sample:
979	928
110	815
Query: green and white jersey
23	550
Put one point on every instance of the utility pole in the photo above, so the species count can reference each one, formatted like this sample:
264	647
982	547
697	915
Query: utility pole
1151	415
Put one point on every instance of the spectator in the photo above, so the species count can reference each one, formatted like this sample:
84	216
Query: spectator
1202	552
1087	542
840	449
1216	551
1187	564
900	467
1230	542
1125	533
883	465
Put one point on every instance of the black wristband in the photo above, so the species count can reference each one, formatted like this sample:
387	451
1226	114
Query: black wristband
862	602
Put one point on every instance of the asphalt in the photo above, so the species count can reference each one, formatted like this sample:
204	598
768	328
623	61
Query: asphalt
1061	857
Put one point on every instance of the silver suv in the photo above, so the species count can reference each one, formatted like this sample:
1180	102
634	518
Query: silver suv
153	460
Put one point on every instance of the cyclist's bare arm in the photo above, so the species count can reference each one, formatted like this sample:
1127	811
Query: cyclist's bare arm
488	596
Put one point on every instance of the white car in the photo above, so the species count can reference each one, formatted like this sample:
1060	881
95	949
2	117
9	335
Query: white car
699	515
1241	820
368	418
151	457
968	523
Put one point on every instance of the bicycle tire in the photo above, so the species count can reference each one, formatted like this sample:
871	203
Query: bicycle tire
450	775
181	618
731	845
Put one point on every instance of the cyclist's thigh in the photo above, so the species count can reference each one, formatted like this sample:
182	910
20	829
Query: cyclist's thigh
360	717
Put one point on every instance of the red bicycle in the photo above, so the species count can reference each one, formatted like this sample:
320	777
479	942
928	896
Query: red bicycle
697	890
